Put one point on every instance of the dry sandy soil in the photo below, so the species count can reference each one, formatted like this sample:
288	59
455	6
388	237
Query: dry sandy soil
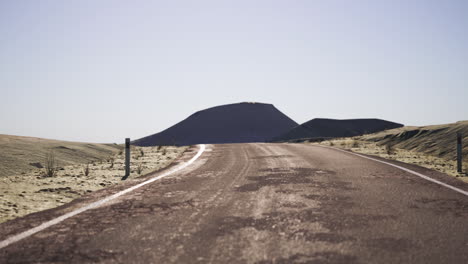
24	190
394	153
433	147
22	154
436	141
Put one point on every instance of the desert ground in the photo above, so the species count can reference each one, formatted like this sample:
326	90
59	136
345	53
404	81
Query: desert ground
22	154
432	147
436	140
25	188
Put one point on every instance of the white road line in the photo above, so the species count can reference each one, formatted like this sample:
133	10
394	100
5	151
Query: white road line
32	231
404	169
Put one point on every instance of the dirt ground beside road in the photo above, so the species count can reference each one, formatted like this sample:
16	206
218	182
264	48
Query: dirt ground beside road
32	191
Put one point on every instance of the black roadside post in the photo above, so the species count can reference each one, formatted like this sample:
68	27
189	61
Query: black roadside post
459	152
127	158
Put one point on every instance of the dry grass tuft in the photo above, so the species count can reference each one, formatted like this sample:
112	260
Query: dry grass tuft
140	168
86	169
50	165
390	149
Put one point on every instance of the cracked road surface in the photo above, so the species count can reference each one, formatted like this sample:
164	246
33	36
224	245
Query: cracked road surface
260	203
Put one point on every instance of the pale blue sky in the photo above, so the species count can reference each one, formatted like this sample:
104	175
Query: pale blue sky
100	71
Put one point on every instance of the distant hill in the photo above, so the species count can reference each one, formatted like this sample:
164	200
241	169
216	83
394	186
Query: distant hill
233	123
21	154
333	128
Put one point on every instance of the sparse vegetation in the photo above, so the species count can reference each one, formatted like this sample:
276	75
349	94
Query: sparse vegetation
86	169
142	153
69	181
403	155
34	152
390	149
355	144
435	140
139	168
50	164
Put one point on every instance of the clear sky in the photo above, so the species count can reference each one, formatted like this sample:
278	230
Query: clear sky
100	71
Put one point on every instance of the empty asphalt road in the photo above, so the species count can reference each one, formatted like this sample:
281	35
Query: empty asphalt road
259	203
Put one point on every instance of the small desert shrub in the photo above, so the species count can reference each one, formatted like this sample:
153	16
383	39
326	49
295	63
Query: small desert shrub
142	153
164	152
86	169
390	149
50	165
111	160
139	168
332	144
355	144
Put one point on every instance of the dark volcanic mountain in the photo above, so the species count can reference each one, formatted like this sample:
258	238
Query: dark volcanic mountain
332	128
234	123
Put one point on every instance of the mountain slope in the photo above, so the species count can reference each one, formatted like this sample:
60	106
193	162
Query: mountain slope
332	128
233	123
